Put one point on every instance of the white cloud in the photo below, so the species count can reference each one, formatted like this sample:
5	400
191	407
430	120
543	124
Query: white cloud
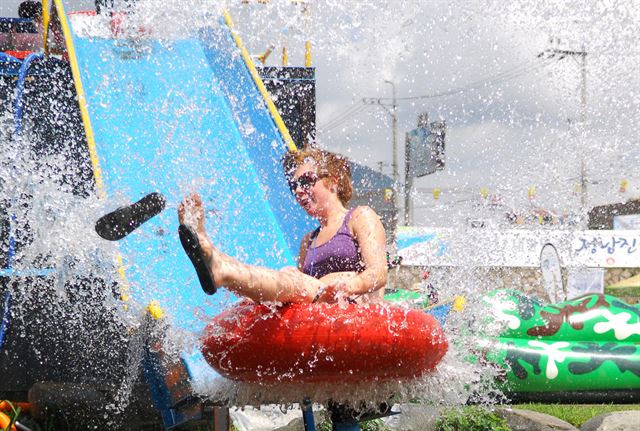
510	127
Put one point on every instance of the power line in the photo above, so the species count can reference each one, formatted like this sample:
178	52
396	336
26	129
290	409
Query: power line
515	72
346	113
354	110
343	120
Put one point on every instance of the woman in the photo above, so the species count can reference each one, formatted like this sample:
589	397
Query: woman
343	258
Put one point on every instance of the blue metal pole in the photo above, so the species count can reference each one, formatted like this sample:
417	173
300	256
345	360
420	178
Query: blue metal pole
160	394
22	77
307	415
4	323
11	251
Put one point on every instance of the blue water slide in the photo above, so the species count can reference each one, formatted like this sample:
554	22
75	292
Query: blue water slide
184	115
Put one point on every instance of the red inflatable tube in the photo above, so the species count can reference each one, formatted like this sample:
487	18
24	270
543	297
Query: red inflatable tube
322	342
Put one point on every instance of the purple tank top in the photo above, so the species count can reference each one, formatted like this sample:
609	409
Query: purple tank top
341	253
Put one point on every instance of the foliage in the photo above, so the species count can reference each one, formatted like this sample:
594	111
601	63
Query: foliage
470	419
9	414
373	425
576	414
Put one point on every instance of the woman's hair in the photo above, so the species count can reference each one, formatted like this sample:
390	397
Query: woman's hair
335	165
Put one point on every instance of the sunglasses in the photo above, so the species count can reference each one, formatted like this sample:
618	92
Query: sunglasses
305	181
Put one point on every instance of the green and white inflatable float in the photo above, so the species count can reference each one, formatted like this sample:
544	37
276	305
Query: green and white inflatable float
584	349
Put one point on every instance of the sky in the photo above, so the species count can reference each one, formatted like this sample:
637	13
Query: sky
513	117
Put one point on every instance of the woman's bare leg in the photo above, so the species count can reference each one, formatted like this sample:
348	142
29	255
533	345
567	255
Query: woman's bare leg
257	283
264	284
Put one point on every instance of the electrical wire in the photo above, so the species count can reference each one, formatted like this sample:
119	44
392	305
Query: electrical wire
509	74
515	72
349	112
336	124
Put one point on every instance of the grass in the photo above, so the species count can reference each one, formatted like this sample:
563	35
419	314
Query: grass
470	418
632	292
576	414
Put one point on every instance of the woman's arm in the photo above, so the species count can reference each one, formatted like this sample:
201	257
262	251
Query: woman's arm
302	253
369	232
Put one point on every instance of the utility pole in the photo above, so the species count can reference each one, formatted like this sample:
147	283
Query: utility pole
583	122
392	110
423	122
561	54
394	126
408	182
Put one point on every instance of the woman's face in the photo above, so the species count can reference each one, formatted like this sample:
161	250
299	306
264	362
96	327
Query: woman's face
310	190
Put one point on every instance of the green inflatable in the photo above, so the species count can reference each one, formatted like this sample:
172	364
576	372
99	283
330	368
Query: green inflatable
585	349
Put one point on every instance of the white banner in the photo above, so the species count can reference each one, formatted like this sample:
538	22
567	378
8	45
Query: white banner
518	247
626	222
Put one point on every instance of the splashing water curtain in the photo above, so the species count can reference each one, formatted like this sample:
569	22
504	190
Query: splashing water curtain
11	250
236	136
162	113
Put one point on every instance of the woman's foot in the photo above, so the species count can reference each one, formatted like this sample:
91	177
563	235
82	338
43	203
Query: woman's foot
191	213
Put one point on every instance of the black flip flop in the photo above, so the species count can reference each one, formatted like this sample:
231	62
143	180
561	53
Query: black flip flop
191	245
121	222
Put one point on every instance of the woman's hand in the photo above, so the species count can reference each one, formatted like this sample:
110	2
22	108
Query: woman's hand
334	291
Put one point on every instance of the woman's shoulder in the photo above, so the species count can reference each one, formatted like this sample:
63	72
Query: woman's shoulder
363	211
362	214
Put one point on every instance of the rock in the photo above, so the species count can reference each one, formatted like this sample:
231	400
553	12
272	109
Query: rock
527	420
267	418
295	425
298	423
616	421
